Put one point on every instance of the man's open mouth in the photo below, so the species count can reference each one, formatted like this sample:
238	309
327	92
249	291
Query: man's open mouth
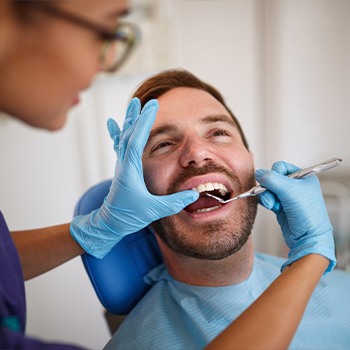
204	203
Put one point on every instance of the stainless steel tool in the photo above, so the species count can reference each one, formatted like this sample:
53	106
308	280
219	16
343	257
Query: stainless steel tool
318	168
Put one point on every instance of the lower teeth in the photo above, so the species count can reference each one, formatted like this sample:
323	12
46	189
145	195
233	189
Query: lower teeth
205	210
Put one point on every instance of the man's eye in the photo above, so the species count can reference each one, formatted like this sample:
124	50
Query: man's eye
161	145
220	132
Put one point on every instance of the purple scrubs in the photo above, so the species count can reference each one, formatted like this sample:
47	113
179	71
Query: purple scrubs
12	299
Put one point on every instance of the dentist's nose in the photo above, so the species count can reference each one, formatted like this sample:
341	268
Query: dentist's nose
195	152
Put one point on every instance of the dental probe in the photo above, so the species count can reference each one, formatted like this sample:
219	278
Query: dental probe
327	165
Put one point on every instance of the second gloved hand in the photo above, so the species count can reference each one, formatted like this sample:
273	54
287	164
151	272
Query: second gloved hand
301	212
129	206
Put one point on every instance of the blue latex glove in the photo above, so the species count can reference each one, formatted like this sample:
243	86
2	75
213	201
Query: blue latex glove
129	206
301	212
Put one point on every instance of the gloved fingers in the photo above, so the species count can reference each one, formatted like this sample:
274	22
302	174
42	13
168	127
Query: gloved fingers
142	128
132	112
277	183
125	137
287	169
120	137
114	133
284	168
133	140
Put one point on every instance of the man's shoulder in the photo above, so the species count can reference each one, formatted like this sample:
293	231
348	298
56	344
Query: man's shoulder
155	329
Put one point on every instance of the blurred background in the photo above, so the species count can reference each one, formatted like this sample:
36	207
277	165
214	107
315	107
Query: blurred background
283	68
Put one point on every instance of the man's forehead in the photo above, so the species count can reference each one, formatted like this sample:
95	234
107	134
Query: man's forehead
183	104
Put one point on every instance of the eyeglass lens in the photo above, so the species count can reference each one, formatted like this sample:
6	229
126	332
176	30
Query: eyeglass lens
116	51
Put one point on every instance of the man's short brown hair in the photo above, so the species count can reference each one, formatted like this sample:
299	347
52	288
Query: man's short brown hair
158	84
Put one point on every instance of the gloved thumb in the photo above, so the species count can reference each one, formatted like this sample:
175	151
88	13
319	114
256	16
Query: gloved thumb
267	199
174	203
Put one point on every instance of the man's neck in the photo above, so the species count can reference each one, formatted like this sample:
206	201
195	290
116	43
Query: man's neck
231	270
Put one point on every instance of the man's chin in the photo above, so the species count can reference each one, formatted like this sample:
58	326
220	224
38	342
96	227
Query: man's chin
203	242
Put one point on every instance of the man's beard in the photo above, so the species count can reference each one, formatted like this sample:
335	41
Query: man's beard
215	240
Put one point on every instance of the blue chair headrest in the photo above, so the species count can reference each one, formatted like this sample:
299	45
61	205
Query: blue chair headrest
118	277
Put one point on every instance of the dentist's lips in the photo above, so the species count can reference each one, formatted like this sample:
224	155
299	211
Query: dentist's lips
75	100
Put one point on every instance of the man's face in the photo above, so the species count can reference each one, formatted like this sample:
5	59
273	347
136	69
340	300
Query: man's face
195	142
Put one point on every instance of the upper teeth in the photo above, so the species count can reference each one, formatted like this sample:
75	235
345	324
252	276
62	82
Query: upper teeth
211	186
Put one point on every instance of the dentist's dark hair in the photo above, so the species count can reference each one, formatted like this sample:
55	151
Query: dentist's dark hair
160	83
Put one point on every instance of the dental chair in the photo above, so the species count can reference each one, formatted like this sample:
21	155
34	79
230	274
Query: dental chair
118	277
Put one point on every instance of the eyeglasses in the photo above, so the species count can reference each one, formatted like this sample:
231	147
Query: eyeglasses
117	45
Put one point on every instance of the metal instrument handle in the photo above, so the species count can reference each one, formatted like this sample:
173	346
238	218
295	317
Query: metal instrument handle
318	168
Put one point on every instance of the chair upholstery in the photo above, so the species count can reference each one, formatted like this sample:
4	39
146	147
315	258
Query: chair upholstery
118	277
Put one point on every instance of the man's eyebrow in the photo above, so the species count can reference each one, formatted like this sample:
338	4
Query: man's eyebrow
162	130
213	118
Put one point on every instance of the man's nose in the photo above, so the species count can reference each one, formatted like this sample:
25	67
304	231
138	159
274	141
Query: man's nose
195	152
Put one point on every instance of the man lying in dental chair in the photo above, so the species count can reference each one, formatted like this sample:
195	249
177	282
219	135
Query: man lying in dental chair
210	273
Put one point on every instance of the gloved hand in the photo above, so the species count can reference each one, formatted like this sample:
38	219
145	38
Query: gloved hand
300	210
129	206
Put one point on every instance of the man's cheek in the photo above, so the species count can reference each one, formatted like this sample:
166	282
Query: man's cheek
157	177
147	176
152	182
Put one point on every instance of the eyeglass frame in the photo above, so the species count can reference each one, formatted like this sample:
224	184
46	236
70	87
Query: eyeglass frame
106	36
